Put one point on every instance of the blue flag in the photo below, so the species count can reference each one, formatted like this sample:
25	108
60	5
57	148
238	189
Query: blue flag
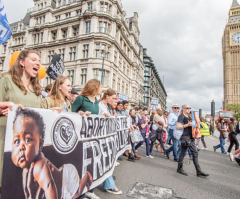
5	30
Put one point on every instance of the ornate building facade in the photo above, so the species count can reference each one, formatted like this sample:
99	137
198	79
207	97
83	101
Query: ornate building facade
231	56
153	84
81	32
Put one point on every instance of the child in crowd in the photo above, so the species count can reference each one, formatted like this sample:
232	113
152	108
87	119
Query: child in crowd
27	145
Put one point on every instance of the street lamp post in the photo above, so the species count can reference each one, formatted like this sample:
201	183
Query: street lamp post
104	53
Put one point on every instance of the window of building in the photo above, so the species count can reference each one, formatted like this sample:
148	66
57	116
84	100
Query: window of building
63	2
41	40
62	53
50	55
124	67
102	47
104	7
72	53
4	48
68	15
98	50
48	80
58	18
115	57
75	31
114	81
1	64
71	76
118	84
133	92
59	3
54	35
85	51
64	33
97	73
79	12
104	27
120	62
88	27
128	70
89	5
84	76
123	86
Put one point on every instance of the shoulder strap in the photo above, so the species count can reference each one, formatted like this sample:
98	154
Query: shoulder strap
82	104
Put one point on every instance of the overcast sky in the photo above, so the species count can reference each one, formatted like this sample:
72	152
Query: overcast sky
183	37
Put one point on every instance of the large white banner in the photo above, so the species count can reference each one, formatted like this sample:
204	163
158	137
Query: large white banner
54	155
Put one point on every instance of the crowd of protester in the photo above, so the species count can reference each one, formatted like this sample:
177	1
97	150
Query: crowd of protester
21	86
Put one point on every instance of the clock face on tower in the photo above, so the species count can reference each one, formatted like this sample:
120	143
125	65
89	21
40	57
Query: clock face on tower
236	38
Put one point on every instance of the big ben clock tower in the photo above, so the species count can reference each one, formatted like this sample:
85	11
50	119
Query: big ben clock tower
231	56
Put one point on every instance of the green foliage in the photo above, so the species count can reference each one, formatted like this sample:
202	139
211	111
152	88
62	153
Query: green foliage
234	108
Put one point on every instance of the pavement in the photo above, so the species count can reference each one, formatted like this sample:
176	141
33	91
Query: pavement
157	178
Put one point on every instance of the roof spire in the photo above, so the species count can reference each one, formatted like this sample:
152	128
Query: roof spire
235	4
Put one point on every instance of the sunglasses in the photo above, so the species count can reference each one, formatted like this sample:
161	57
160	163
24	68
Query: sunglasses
188	108
175	107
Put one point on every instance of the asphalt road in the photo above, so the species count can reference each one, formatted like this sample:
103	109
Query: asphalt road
146	177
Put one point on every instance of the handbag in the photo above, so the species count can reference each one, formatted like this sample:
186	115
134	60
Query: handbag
186	141
177	133
153	136
136	136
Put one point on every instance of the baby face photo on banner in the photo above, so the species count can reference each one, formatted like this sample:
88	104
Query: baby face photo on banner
52	155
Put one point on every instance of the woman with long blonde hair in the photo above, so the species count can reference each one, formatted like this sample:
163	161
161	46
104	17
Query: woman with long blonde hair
20	86
59	95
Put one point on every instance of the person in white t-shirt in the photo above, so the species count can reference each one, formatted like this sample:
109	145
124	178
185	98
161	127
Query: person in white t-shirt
109	97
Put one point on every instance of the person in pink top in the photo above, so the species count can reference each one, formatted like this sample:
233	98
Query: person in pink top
144	129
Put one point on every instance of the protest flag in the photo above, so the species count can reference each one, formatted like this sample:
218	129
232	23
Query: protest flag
56	67
5	30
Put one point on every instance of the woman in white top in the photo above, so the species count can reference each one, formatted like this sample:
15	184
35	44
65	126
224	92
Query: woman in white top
109	98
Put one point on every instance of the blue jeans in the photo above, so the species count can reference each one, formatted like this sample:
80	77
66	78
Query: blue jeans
190	153
109	183
147	144
176	143
221	145
168	136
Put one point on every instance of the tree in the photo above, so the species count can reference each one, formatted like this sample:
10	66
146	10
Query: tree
234	108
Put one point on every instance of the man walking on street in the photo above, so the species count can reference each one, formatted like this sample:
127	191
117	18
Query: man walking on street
172	122
158	127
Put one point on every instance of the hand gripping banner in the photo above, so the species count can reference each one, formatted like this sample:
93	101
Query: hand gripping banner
52	155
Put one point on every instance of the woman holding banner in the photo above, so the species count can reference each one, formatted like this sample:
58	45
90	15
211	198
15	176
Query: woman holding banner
87	104
58	98
107	103
20	86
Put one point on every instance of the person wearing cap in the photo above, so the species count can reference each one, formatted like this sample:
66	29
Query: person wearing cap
74	95
172	122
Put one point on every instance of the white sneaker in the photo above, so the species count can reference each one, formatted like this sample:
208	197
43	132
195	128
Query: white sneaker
231	156
91	195
149	156
114	191
204	149
117	163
